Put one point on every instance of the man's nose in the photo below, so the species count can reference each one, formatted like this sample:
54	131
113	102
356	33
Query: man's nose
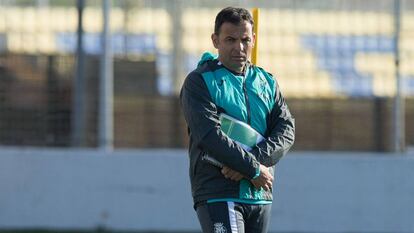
240	46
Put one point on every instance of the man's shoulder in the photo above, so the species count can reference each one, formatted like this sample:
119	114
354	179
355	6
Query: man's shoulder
267	75
263	71
206	67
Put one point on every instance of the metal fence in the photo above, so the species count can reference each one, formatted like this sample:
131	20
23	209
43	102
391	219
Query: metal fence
317	49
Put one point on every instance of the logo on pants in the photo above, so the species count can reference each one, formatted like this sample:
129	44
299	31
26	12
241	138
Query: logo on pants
219	228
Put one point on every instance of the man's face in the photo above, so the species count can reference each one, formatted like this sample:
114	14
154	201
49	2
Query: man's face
234	44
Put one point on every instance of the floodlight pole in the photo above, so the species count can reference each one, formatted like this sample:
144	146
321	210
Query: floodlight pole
399	105
78	116
106	93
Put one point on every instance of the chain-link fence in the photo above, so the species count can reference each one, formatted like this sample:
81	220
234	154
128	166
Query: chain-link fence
334	60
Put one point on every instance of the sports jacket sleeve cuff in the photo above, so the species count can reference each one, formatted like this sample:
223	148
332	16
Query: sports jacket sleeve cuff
257	173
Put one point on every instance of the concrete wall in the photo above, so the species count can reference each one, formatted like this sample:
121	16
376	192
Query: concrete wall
149	190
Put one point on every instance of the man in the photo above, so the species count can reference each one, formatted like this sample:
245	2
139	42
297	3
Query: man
237	196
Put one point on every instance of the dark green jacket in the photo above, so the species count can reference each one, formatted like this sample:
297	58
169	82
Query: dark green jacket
253	97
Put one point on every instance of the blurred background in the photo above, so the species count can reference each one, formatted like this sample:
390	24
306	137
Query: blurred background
100	74
334	60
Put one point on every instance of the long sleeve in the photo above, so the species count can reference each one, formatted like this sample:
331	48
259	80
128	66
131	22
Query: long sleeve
280	133
203	122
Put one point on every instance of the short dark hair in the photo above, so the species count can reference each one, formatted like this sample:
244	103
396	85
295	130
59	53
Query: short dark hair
232	15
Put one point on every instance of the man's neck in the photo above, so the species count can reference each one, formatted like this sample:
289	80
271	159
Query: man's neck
236	72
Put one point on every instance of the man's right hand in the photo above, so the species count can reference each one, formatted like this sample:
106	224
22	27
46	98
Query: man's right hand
264	180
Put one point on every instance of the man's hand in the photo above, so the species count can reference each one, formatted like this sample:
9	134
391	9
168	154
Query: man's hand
264	180
231	174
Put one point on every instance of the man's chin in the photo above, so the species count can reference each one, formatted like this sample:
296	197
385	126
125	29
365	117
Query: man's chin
238	67
240	64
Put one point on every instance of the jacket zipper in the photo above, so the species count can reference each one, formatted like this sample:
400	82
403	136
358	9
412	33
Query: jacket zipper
247	100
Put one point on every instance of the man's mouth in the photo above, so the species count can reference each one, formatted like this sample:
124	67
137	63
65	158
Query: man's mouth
238	58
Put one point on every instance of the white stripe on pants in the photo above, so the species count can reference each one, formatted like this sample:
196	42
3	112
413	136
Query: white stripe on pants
232	217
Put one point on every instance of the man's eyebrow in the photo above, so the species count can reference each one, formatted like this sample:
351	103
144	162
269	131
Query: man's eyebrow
230	37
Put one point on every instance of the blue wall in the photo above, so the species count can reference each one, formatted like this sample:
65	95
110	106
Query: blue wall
149	190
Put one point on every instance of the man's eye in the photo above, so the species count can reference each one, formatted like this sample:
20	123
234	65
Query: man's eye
230	39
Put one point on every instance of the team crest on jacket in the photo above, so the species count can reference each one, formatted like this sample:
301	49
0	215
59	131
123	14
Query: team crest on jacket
219	228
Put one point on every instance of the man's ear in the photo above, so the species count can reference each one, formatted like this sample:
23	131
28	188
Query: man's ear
214	39
254	39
